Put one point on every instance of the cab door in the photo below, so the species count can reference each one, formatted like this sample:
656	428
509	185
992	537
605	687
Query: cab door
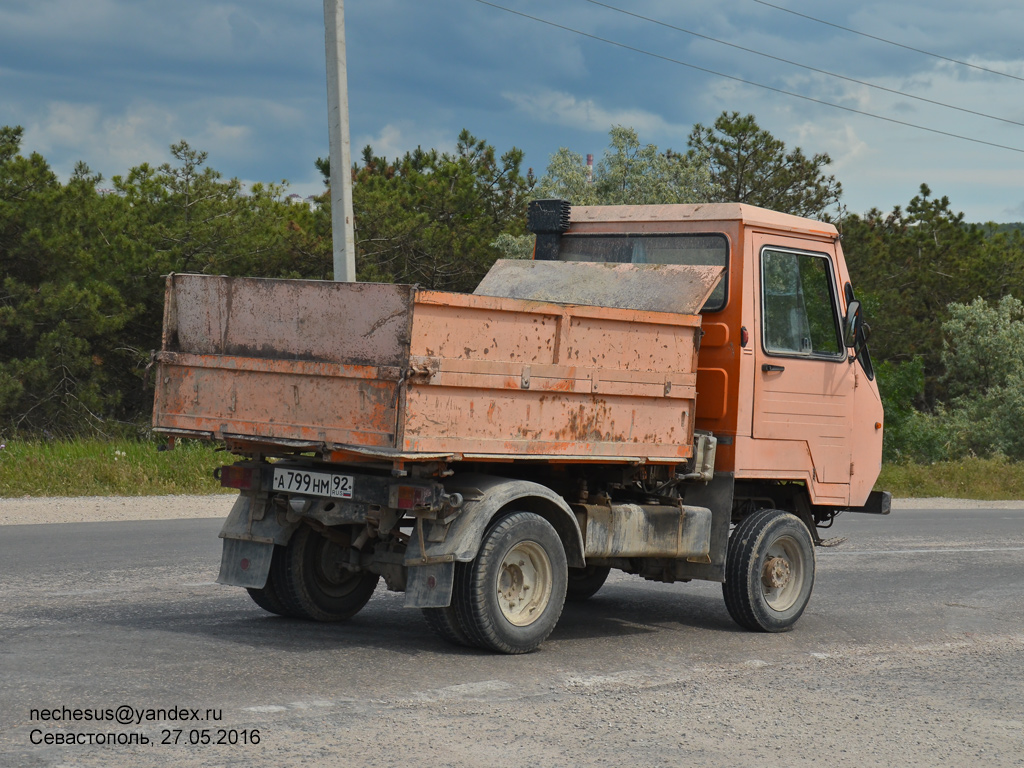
803	383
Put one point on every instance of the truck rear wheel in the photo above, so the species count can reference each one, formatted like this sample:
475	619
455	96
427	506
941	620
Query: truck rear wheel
313	583
444	622
585	582
510	597
769	571
269	597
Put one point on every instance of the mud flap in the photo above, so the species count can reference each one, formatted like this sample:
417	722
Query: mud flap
430	586
245	563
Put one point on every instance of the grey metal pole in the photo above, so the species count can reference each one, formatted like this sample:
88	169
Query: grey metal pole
340	146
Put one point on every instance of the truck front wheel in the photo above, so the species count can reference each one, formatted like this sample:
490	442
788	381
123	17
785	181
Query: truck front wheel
314	585
510	597
769	571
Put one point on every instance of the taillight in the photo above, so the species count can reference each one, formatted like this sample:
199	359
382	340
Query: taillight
242	478
412	496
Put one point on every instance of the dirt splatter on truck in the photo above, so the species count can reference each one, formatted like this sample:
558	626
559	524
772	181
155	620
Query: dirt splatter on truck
679	392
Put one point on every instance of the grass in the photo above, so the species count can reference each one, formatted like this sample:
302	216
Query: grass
134	468
107	468
971	478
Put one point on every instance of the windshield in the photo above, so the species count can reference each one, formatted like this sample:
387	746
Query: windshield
697	250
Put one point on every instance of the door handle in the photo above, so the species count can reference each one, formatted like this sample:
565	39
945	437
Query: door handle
769	368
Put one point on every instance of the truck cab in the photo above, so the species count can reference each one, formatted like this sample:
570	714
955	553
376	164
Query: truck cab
777	385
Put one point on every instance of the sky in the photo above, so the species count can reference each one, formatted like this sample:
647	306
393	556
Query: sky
115	82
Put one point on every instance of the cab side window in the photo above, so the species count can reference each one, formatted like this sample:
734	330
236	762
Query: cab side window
798	305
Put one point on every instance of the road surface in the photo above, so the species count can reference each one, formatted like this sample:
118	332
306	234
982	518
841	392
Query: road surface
910	654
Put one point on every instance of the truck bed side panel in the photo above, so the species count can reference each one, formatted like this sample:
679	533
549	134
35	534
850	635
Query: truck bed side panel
516	377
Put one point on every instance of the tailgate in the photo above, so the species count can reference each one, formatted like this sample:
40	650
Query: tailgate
284	360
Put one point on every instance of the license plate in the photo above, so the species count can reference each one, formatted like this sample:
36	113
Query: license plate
313	483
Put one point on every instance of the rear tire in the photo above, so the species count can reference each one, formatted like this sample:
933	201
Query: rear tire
314	586
269	597
769	571
510	597
585	582
444	622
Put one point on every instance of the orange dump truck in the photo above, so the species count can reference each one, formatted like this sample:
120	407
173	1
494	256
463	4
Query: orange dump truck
678	392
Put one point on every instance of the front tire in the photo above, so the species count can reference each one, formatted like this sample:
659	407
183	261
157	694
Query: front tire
769	571
511	596
313	584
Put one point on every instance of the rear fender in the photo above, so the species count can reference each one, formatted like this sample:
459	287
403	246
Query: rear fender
250	533
436	545
252	519
485	496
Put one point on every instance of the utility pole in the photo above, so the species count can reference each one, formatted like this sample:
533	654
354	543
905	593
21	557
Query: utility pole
340	145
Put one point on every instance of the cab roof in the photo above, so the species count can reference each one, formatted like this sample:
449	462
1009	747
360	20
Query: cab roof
749	215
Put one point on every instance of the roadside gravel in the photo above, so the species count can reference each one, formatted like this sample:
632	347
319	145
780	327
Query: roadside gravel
94	509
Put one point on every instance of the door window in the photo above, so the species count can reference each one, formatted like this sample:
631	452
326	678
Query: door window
798	305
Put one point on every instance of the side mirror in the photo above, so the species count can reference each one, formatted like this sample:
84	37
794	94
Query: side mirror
851	324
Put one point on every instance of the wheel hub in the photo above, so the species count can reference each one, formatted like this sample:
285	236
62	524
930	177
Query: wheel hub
524	583
331	569
777	573
512	583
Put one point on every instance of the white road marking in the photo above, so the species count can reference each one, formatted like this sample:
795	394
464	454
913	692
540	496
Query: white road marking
923	551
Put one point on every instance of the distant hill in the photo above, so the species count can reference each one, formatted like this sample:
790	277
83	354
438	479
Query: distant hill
995	229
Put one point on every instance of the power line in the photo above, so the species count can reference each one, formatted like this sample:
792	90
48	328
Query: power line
803	66
891	42
741	80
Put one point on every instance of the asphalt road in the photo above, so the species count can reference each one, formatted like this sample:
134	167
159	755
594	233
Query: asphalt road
910	653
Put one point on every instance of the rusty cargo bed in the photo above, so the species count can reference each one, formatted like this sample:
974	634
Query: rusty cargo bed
357	371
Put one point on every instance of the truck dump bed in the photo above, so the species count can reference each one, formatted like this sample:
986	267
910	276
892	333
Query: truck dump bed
362	370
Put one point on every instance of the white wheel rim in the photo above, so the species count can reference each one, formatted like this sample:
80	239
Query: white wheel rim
782	575
524	583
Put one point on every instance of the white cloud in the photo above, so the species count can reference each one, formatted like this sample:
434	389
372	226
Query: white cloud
65	124
111	144
841	141
395	139
218	133
564	109
114	141
1015	213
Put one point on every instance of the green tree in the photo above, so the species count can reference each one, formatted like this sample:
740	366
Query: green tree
82	276
983	351
983	346
60	321
749	165
629	173
183	216
431	218
911	264
186	216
